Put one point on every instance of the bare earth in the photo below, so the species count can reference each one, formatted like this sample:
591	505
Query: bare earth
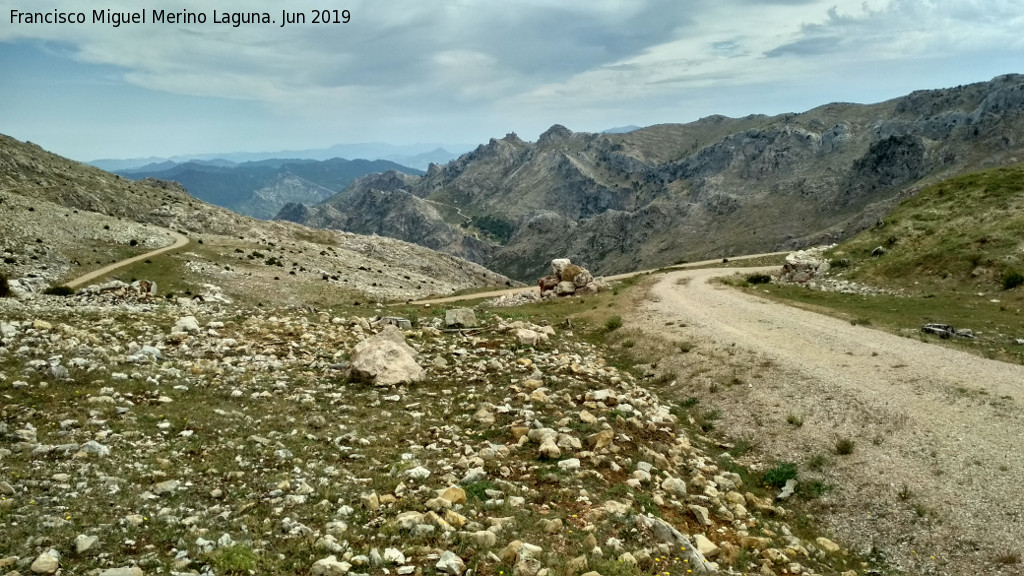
934	481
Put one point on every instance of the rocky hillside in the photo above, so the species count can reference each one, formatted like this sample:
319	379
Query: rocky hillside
62	219
186	437
718	186
260	189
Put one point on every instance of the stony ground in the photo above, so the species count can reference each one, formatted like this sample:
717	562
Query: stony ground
173	437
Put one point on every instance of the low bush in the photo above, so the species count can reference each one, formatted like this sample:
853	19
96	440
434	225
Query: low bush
1012	279
759	279
613	323
844	446
59	291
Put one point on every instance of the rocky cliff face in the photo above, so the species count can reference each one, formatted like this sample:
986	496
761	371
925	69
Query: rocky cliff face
714	187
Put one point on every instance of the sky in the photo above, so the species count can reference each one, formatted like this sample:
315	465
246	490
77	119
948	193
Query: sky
464	71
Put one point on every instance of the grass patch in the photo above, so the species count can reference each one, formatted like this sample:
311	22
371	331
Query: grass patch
234	559
778	475
613	323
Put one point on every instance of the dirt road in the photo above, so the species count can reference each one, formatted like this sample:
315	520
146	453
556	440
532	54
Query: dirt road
934	479
506	291
180	241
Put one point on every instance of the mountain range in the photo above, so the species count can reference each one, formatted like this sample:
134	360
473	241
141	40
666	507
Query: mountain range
719	186
415	155
261	188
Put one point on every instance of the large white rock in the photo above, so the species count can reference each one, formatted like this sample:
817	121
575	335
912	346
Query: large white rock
187	324
460	318
385	359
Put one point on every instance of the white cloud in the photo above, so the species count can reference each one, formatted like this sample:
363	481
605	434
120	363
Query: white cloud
459	67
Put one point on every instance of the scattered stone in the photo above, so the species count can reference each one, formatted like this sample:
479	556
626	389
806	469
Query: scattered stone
85	543
827	545
941	330
46	563
674	486
370	501
701	514
330	566
394	556
95	448
788	490
166	487
187	324
454	494
460	318
450	563
705	546
569	464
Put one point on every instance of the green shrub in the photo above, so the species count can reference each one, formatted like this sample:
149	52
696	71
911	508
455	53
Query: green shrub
613	323
778	475
59	291
844	446
1012	279
234	559
5	288
759	279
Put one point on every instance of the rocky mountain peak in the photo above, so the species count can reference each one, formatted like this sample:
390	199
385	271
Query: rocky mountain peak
556	133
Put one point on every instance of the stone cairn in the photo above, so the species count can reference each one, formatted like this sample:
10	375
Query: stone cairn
568	279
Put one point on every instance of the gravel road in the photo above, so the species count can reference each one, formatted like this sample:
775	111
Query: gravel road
934	482
180	240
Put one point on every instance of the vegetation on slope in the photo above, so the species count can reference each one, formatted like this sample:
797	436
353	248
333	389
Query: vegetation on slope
964	234
953	254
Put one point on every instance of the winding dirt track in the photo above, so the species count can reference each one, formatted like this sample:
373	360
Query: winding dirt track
506	291
937	426
180	241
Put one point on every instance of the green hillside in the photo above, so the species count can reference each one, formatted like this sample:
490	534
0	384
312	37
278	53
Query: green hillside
953	254
964	234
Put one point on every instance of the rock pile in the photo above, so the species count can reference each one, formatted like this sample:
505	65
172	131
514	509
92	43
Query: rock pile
568	279
803	265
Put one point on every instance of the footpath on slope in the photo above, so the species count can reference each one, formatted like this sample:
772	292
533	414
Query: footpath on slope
180	241
933	482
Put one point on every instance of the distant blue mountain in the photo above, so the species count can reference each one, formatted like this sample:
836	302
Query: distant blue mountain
261	188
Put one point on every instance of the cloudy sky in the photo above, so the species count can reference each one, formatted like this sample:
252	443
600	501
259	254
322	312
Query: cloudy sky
463	71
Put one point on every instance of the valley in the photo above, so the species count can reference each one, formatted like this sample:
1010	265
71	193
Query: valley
674	192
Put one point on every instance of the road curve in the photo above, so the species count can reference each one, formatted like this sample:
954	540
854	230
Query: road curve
506	291
180	241
943	425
